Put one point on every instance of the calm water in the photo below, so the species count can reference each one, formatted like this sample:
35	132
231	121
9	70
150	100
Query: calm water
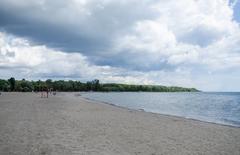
222	108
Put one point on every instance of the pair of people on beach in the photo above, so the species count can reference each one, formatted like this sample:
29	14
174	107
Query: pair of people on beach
44	93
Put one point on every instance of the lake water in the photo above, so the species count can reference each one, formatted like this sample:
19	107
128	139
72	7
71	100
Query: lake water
222	108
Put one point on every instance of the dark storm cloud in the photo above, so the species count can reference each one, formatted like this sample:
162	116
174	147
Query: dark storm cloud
88	28
50	35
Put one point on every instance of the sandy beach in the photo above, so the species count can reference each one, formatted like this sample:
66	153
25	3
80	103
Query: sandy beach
67	124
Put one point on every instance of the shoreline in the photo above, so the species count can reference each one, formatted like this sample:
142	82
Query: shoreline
67	124
168	115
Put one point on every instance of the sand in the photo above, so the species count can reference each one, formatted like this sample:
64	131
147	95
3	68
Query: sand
67	124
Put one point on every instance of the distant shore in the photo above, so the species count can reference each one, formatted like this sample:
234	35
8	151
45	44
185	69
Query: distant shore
13	85
70	124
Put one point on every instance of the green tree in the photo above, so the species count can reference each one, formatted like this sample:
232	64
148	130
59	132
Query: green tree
49	83
12	83
96	85
4	85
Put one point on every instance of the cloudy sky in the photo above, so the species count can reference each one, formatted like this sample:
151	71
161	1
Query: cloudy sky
190	43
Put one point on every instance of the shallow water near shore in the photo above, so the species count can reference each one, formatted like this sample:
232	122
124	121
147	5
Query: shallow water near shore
218	107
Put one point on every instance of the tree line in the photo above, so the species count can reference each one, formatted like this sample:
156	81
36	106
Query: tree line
94	85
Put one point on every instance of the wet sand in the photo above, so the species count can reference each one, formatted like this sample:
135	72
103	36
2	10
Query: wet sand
67	124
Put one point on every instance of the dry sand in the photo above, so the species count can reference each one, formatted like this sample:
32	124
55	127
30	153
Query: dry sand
66	124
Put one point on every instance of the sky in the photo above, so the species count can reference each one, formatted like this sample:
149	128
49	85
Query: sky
189	43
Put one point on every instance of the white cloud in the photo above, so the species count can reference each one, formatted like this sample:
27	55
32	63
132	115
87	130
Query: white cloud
186	32
21	59
233	3
39	60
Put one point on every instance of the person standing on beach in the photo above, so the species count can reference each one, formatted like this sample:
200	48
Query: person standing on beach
44	92
41	93
47	92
